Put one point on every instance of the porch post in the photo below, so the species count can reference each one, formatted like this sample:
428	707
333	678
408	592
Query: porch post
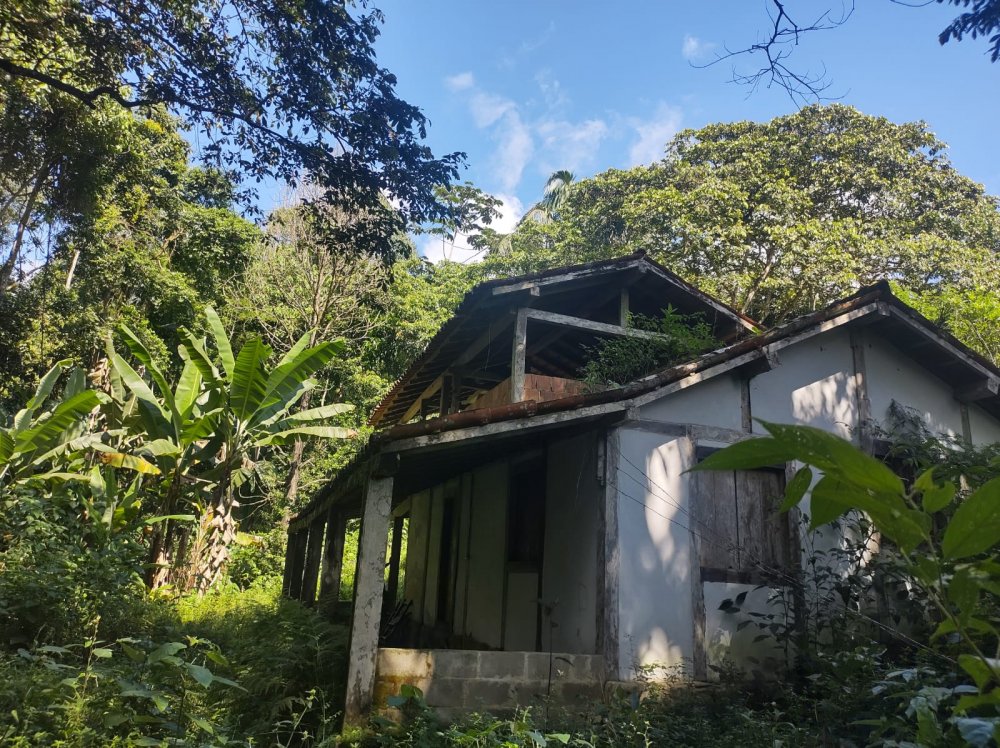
517	360
286	580
314	552
333	558
297	541
610	553
369	584
394	558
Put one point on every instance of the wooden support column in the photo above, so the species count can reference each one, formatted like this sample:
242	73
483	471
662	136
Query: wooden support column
333	558
369	584
623	308
314	554
865	436
394	560
286	580
700	493
298	560
518	353
609	553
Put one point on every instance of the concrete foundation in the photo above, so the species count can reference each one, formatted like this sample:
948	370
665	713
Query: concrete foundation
454	680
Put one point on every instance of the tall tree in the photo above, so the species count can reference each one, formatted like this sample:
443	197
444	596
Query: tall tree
275	90
778	218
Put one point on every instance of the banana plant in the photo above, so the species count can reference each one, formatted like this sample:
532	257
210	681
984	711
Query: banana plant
47	429
204	431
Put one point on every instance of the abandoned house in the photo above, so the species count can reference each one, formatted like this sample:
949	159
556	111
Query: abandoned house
553	540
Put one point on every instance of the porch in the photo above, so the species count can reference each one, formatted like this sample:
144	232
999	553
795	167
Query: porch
481	572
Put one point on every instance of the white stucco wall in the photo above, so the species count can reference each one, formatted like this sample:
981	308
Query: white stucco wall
654	618
893	375
813	385
569	564
985	428
714	402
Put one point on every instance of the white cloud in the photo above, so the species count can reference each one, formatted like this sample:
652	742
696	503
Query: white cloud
552	92
570	145
460	82
510	213
652	134
487	108
694	49
514	149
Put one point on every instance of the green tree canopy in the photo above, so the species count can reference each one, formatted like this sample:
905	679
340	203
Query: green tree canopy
275	90
781	217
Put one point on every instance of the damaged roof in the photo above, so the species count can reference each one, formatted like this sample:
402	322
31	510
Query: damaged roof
594	286
972	375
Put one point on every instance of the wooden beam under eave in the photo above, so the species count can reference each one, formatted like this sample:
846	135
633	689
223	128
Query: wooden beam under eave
519	349
601	328
982	389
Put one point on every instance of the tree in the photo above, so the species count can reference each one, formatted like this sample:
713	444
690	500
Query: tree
300	283
782	217
978	19
141	237
206	432
275	90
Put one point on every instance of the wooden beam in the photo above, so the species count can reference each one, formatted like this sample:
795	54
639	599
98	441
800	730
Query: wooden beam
601	328
314	554
333	558
981	390
368	590
966	423
623	308
394	560
286	580
542	283
519	348
864	403
609	552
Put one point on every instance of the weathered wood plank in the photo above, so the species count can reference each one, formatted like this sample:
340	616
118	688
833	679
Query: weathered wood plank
333	558
314	554
864	404
518	352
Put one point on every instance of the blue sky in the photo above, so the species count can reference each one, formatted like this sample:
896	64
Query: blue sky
525	88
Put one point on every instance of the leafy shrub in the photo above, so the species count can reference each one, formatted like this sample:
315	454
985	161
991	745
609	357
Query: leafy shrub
257	558
289	659
620	360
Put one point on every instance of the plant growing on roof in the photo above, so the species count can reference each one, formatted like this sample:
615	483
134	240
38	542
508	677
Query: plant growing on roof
205	432
621	360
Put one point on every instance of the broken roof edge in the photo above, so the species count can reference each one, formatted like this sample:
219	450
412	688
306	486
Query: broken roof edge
486	288
751	348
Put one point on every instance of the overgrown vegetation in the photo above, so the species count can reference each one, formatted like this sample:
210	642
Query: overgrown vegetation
678	337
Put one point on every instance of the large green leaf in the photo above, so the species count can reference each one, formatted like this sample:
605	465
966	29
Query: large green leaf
975	526
221	341
832	454
129	462
284	382
747	455
319	432
49	429
192	349
6	446
188	388
137	385
42	392
142	354
321	413
247	389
